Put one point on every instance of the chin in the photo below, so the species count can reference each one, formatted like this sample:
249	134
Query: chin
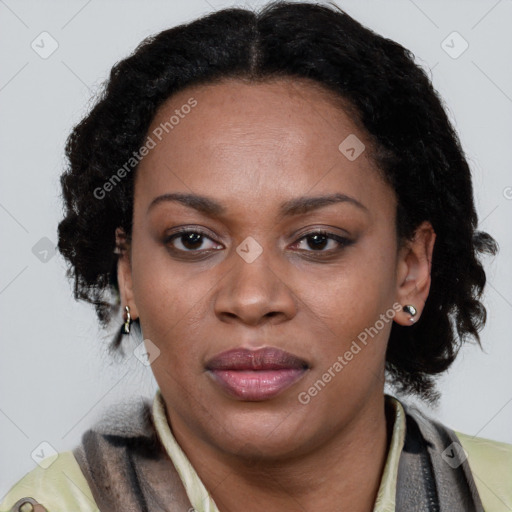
260	434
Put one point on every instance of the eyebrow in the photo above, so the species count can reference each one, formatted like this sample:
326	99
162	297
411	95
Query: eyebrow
296	206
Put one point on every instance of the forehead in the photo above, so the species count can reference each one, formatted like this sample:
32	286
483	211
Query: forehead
233	111
256	142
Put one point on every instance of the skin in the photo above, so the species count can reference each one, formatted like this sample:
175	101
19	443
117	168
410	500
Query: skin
252	147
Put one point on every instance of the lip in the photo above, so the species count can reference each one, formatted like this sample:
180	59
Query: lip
255	375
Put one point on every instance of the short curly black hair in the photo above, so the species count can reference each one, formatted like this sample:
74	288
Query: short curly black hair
414	146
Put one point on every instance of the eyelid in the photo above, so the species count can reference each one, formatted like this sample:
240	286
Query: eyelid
329	230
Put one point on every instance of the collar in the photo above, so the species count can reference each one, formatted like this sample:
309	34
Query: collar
203	502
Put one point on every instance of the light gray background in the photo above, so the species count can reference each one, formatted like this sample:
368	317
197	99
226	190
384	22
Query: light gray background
55	377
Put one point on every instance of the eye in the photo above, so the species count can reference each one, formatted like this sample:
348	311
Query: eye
318	240
191	240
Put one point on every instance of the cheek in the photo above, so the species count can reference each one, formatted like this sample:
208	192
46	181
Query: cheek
374	271
354	309
171	300
363	286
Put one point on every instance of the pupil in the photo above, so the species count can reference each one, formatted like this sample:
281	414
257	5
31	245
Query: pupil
316	238
192	238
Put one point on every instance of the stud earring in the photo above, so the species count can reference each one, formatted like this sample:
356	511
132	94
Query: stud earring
411	310
128	321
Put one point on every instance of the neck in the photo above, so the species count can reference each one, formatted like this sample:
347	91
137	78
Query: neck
343	474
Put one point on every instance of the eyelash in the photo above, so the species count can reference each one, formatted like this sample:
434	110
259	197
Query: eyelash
342	241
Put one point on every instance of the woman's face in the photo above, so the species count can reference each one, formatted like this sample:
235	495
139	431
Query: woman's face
247	276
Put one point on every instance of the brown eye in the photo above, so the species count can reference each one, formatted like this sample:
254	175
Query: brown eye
191	240
319	240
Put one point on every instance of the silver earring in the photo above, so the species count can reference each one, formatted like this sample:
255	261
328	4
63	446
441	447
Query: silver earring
411	310
128	321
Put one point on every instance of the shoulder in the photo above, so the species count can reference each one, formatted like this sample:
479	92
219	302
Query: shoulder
61	486
491	466
489	462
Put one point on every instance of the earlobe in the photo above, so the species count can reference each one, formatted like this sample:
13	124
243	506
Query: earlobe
413	276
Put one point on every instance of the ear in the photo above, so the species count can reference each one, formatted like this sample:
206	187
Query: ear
124	273
413	272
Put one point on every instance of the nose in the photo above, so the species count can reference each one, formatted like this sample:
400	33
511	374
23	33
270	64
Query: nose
255	292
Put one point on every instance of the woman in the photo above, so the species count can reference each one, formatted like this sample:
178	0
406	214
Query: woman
281	209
